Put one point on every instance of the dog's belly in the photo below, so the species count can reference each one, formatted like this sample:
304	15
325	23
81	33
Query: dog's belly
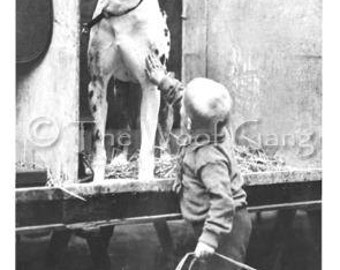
121	71
137	34
134	46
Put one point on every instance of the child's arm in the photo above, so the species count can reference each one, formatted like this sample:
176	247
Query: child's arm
171	87
215	176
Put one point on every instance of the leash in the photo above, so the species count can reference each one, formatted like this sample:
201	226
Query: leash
194	259
86	27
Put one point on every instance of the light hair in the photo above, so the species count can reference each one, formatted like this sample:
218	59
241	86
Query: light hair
207	103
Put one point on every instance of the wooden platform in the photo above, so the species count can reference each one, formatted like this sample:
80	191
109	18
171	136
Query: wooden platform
122	201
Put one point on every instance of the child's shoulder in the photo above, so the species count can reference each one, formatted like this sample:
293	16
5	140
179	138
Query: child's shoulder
211	153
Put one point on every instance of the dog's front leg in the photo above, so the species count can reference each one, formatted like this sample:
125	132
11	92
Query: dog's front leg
149	120
134	57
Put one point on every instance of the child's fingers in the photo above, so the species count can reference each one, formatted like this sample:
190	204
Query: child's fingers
150	59
148	62
154	60
147	72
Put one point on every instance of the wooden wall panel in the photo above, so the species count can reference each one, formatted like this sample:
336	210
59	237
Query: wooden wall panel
48	99
268	54
194	39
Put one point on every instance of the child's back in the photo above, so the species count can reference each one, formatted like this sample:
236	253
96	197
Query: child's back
210	187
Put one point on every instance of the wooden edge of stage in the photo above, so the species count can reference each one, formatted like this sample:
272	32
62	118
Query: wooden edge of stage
115	186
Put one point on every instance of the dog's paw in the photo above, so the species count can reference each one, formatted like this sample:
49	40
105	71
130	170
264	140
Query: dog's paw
145	175
146	168
120	160
99	174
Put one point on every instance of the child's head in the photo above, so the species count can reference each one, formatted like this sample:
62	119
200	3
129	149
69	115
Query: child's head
207	104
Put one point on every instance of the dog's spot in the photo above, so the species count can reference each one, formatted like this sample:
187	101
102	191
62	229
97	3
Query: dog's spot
96	56
91	94
94	108
168	43
162	59
156	51
100	95
166	32
97	136
93	59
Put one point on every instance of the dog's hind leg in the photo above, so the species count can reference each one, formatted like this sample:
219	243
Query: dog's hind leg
98	105
100	61
165	124
118	122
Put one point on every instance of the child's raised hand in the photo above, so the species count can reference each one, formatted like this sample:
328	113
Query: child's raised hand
203	251
154	69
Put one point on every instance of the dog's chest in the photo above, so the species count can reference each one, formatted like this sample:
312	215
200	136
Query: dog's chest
145	34
144	28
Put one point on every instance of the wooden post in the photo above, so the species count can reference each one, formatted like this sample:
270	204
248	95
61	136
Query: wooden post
194	39
98	244
57	248
281	234
165	238
48	98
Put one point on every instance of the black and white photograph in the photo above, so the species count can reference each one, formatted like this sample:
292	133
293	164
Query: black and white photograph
168	135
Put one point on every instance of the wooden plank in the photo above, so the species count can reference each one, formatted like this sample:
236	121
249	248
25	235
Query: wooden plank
221	47
261	195
194	39
48	99
41	228
98	223
115	186
123	206
118	206
38	213
30	178
310	205
134	221
281	177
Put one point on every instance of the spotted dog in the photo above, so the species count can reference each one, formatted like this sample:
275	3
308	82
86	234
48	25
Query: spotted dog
125	33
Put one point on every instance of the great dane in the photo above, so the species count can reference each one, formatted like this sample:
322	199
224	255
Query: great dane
123	33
